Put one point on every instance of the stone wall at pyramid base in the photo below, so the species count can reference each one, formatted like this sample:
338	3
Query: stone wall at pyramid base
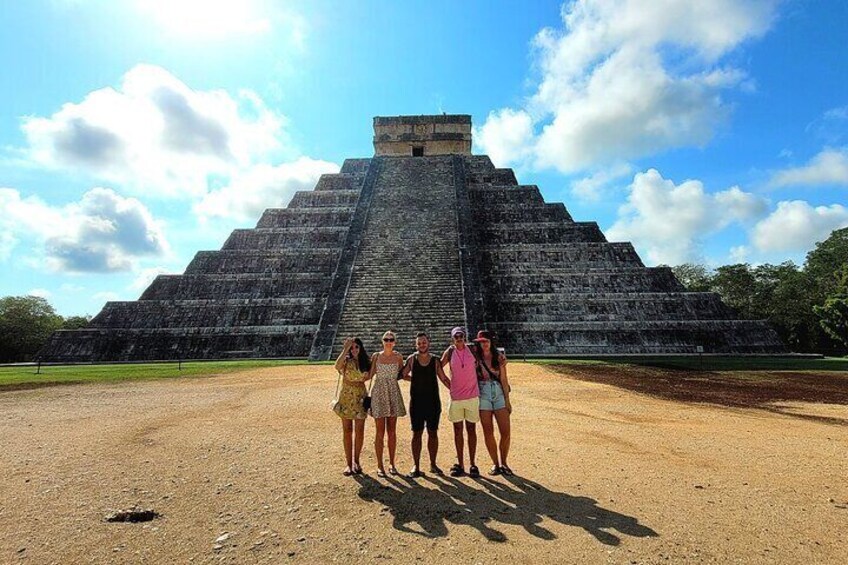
737	337
110	344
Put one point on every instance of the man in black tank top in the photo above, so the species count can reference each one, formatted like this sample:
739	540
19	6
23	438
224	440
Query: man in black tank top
425	406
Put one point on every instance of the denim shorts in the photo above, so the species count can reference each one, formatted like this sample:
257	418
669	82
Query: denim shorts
491	395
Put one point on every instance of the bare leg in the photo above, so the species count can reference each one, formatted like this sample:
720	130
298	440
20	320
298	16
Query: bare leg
416	449
432	447
505	429
378	441
459	442
471	428
489	435
347	441
391	429
359	437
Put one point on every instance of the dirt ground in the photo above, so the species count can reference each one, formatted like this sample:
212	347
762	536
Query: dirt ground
617	465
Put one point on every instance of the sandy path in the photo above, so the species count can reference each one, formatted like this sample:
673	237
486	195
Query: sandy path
606	476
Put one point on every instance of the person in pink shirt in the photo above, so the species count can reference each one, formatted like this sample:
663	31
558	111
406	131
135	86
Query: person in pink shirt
464	409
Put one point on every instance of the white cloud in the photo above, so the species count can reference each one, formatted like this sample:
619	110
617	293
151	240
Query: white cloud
668	221
505	136
797	226
107	296
103	232
263	186
830	166
592	187
155	135
40	292
68	288
740	254
628	78
146	276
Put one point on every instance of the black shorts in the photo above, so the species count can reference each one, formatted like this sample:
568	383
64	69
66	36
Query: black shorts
425	416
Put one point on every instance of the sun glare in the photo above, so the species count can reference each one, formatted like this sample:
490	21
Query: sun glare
207	19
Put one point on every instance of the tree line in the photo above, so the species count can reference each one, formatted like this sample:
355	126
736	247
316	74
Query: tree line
26	323
807	305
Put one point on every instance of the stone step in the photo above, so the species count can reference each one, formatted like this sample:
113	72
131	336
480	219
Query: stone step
92	345
500	196
217	286
306	217
340	181
353	166
636	337
496	176
526	256
586	307
510	214
656	279
478	164
321	199
208	313
539	232
301	260
275	238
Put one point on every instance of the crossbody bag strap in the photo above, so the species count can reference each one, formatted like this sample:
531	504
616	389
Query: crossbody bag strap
492	375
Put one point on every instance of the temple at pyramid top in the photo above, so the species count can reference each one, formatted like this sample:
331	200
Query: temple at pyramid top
417	136
421	236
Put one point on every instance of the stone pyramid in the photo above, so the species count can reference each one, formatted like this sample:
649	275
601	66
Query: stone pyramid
422	236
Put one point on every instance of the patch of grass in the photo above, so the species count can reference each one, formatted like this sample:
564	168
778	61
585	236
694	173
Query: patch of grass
714	363
25	376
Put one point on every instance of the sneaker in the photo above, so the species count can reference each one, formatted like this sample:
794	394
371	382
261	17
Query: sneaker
457	470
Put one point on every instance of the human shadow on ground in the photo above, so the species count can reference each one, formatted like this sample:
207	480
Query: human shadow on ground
518	501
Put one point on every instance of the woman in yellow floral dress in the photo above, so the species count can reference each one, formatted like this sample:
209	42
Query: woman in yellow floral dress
354	366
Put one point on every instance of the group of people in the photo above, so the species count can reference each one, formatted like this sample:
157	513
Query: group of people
476	377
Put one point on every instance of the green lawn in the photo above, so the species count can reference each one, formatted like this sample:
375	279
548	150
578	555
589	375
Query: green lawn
717	363
25	376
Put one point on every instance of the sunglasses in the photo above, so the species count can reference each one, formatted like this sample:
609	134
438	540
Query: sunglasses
389	339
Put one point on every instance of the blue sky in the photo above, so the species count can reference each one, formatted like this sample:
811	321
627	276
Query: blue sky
135	133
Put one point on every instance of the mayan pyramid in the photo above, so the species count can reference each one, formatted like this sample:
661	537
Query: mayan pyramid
421	236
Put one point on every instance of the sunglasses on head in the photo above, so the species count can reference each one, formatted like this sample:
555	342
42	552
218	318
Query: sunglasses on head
389	339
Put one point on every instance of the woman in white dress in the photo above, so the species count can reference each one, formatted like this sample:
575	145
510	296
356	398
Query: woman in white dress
386	400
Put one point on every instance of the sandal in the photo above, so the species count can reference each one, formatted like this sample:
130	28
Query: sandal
393	470
347	472
457	470
506	471
415	473
357	469
495	470
381	473
473	472
436	471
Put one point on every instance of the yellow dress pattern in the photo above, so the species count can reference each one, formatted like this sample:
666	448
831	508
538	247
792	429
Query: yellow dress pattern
352	394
